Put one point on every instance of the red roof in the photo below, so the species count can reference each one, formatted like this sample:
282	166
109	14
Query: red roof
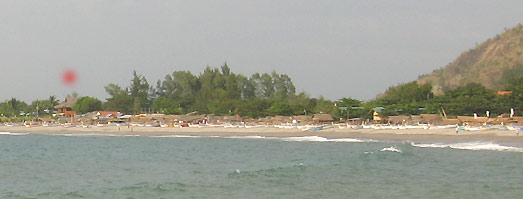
504	93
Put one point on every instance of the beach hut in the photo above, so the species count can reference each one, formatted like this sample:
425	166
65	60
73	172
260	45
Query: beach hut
450	121
430	118
232	119
472	121
376	117
415	119
279	119
322	118
214	119
193	119
66	107
399	120
302	119
264	120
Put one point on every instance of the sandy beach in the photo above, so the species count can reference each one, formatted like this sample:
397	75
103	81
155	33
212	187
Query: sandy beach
447	134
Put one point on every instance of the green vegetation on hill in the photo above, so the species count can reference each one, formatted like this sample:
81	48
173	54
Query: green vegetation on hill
491	64
412	98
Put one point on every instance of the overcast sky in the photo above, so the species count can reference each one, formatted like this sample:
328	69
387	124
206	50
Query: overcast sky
331	48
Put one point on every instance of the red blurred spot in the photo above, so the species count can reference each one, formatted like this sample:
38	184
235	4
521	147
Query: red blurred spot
69	77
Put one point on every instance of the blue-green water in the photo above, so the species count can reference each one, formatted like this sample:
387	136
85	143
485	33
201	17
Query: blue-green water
45	166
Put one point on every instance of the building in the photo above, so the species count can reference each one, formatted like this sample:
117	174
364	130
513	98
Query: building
66	108
322	118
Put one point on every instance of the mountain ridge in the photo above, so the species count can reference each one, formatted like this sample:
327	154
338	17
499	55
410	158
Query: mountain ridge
491	63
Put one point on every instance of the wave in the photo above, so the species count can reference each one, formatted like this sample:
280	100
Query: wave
289	139
92	135
391	149
175	136
249	137
322	139
475	146
9	133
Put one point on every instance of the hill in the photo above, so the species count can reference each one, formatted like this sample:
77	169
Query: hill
492	64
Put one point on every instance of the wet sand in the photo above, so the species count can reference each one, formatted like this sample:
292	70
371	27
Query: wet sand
448	134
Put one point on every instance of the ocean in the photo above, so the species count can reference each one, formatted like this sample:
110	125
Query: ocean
95	166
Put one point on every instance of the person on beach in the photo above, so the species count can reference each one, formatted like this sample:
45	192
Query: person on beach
517	130
457	129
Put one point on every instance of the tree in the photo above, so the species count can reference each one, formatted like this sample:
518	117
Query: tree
166	106
52	99
139	93
280	108
87	104
267	86
120	100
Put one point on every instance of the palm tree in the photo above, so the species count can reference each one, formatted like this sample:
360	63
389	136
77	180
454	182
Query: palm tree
53	100
14	104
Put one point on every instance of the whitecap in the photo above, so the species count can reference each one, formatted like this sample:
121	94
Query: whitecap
322	139
175	136
92	135
471	146
391	149
9	133
248	137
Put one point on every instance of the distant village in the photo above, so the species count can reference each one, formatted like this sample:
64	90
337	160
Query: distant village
65	116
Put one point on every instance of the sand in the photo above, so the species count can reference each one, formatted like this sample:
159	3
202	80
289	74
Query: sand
382	134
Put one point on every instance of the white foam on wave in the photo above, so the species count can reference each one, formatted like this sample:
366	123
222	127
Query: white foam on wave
322	139
92	135
289	139
248	137
471	146
9	133
175	136
391	149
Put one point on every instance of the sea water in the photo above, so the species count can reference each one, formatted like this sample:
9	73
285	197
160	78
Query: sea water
93	166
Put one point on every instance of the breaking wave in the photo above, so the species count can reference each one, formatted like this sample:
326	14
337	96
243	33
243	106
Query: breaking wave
322	139
92	135
9	133
471	146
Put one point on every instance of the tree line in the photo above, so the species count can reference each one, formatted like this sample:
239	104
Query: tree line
220	91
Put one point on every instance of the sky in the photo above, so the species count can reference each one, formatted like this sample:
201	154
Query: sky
329	48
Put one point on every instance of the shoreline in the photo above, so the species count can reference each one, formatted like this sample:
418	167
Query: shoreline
329	133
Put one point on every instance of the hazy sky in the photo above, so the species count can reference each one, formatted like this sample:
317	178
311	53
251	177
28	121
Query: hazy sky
331	48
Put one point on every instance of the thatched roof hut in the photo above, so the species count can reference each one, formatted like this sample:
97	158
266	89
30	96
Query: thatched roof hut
234	118
450	121
472	121
46	120
278	119
400	119
302	118
68	103
322	118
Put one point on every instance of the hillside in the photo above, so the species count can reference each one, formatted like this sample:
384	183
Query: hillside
491	63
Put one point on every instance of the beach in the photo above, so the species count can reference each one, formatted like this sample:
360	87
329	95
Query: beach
444	134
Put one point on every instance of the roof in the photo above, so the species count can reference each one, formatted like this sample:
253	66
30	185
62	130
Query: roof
281	118
378	109
502	93
302	117
399	118
427	117
322	117
472	119
68	103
